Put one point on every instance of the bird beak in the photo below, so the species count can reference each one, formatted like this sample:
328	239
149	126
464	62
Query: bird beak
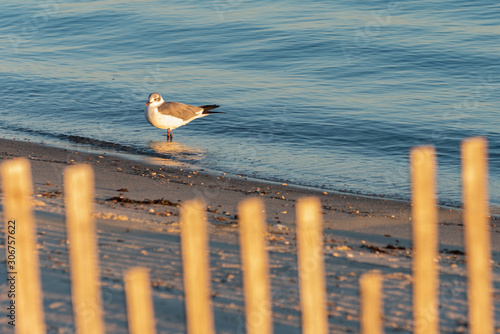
147	103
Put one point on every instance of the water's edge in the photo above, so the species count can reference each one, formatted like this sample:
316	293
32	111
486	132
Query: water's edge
93	146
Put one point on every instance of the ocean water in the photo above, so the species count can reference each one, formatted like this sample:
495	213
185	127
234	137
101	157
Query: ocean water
327	94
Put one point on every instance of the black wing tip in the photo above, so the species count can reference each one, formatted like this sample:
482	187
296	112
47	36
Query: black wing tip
208	107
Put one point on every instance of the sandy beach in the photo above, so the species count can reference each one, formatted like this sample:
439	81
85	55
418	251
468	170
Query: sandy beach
136	210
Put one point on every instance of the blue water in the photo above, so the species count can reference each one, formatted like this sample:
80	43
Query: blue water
323	93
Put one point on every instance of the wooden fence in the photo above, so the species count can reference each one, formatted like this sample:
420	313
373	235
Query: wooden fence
87	307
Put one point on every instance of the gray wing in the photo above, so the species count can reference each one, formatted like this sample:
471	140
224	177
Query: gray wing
179	110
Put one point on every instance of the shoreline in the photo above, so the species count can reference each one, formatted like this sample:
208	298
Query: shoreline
143	158
136	211
181	168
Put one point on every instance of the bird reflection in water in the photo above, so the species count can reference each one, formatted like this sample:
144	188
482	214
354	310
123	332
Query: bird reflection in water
173	153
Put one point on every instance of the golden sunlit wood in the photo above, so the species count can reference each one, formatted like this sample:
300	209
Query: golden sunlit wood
85	278
255	268
425	242
140	312
195	261
370	286
20	245
311	266
477	235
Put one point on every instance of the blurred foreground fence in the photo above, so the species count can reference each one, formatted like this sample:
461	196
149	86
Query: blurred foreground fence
85	277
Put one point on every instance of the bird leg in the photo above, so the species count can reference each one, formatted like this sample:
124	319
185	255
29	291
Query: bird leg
170	135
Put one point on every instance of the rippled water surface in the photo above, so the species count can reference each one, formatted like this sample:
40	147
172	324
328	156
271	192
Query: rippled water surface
325	93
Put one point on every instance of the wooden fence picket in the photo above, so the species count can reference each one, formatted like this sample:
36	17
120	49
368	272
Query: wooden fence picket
140	311
196	268
425	242
370	286
20	245
255	267
311	266
85	277
477	236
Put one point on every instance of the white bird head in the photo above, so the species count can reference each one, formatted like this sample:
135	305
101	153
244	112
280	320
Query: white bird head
154	98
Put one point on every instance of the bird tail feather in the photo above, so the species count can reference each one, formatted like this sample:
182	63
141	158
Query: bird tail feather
207	108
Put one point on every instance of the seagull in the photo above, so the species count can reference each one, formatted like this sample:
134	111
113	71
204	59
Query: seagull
171	115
